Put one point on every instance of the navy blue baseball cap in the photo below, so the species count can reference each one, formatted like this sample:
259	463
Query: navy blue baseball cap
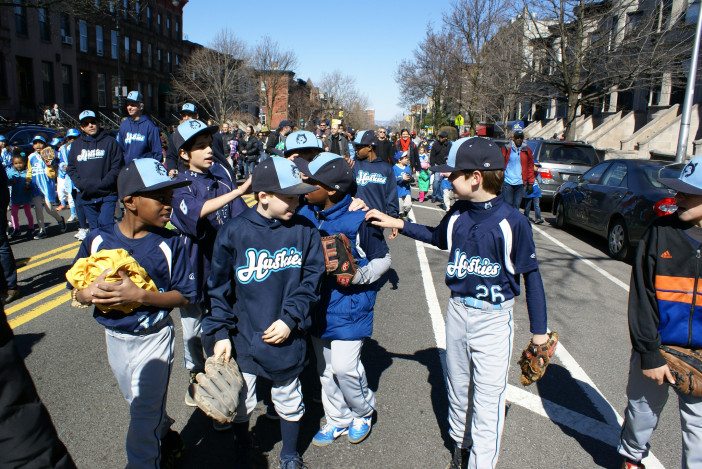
286	123
278	175
190	129
145	175
333	171
87	114
301	140
188	108
470	153
135	97
690	179
364	138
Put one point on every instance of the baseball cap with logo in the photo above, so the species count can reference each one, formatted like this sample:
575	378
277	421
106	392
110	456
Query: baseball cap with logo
2	138
333	171
364	138
517	130
190	129
87	114
145	175
188	108
690	179
72	133
278	175
38	138
135	96
471	153
301	140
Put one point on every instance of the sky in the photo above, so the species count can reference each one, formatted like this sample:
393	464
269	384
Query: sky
365	39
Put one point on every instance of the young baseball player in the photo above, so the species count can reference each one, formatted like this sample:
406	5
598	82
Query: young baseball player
375	179
490	246
5	153
663	311
140	344
138	136
20	195
302	144
267	265
345	313
64	186
200	209
43	188
403	177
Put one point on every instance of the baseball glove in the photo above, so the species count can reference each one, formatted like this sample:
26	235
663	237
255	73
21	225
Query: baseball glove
86	270
338	258
217	389
49	156
535	359
686	367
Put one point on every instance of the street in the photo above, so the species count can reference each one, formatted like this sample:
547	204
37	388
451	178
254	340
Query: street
570	418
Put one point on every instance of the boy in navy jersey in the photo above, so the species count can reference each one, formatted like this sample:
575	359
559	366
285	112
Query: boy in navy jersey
266	269
664	309
345	313
200	210
140	344
490	245
375	179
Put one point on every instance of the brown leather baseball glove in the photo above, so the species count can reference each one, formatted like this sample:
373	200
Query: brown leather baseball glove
338	258
535	359
686	367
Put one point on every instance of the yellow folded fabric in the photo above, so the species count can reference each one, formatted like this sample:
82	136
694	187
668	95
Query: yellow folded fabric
86	270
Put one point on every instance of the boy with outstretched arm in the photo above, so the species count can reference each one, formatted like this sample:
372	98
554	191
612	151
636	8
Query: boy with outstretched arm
344	317
490	245
664	311
201	208
140	343
267	265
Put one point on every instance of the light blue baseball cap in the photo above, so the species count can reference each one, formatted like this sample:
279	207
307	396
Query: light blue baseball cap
72	133
145	175
690	179
189	130
38	138
279	175
2	138
86	115
188	107
55	141
135	96
299	140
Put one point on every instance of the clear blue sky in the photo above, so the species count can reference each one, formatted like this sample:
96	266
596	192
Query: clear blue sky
365	39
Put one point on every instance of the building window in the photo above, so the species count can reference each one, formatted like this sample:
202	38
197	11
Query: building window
137	10
83	31
138	51
177	28
168	61
113	44
149	16
168	23
66	29
149	59
177	60
67	84
44	26
99	41
20	18
158	22
126	49
102	90
125	8
47	79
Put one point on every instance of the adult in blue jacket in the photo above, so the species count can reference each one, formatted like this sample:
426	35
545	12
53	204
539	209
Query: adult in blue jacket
94	162
138	136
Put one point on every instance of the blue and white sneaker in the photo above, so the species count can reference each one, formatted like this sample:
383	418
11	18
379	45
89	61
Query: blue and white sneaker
327	434
359	429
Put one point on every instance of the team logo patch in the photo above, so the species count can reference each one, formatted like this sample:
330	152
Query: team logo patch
183	207
689	169
301	139
195	124
160	170
363	178
296	173
260	264
461	266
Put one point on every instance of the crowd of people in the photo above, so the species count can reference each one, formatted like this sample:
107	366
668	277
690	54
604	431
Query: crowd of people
250	280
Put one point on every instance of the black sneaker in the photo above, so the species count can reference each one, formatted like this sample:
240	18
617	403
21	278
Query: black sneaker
459	459
62	225
172	449
11	232
41	234
295	462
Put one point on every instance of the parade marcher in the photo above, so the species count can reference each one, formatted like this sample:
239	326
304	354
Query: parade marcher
479	318
94	162
663	311
138	136
20	195
403	178
375	179
336	142
437	157
519	168
251	152
64	185
43	187
302	145
405	144
275	145
5	153
424	178
9	290
187	111
384	148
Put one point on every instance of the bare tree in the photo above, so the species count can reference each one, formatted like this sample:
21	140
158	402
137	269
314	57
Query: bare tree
272	65
583	52
339	94
219	78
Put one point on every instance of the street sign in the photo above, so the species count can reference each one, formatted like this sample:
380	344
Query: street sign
459	121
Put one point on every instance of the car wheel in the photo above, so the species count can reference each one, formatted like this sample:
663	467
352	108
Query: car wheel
560	215
617	240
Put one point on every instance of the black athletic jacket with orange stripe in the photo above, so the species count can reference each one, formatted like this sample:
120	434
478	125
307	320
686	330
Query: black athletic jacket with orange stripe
665	298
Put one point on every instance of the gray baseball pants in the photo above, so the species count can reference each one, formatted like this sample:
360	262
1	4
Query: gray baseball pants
478	353
142	366
646	402
191	320
345	391
286	397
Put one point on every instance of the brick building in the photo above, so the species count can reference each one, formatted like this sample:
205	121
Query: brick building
285	97
72	58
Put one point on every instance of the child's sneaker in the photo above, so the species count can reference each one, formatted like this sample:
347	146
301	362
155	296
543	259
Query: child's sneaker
41	234
295	462
62	225
327	434
81	234
359	429
539	221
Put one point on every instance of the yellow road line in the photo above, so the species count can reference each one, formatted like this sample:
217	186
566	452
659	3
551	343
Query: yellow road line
39	310
30	301
52	251
63	255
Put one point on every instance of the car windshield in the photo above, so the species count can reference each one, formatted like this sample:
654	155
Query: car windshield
653	173
568	154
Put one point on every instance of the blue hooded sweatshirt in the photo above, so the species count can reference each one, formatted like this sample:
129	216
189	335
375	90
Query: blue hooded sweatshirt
140	139
93	165
264	270
376	185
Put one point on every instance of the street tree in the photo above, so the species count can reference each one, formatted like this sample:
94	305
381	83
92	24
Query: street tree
274	67
339	96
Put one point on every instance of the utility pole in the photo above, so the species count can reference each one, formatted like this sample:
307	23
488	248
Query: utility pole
689	92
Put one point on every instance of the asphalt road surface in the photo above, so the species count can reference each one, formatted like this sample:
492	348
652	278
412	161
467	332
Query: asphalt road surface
571	418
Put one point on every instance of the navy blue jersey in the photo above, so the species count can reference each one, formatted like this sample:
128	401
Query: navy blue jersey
162	255
376	185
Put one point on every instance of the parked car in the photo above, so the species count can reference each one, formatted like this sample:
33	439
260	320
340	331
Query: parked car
558	161
21	136
617	199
